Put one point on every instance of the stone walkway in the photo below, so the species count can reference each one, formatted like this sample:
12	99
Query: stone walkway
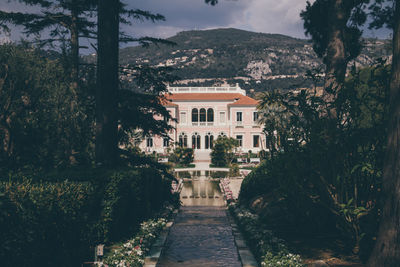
201	236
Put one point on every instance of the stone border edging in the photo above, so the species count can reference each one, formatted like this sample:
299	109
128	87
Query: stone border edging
245	255
154	254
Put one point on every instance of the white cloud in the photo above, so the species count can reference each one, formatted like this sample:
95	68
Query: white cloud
272	16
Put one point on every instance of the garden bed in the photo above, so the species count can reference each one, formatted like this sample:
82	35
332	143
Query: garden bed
132	253
269	250
181	166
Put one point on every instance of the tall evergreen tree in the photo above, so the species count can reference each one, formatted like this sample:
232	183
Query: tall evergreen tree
66	21
334	28
107	82
111	13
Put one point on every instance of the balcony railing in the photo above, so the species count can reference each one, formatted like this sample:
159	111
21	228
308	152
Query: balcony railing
202	123
220	89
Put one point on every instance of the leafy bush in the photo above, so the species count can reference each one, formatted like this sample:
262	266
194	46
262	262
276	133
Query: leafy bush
132	252
130	196
268	249
182	155
222	151
324	173
45	224
47	130
56	223
234	170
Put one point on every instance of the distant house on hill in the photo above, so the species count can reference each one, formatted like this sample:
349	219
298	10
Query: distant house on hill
205	113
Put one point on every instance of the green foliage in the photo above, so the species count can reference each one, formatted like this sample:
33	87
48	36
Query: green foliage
182	156
325	175
234	170
320	18
132	252
38	126
141	102
56	223
222	153
47	224
269	250
232	50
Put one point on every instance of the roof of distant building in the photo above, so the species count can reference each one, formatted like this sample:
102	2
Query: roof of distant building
237	98
167	102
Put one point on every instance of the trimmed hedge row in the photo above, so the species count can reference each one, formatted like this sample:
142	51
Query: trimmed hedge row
57	223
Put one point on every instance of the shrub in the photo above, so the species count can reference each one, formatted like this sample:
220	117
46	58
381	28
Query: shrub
182	155
234	170
45	224
222	151
56	223
269	250
132	252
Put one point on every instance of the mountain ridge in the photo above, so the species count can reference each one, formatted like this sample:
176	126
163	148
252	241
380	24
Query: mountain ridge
256	60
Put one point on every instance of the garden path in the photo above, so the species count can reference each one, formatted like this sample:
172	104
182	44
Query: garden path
201	236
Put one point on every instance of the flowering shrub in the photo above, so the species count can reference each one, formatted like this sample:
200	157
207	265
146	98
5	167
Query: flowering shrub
269	250
132	252
226	190
281	259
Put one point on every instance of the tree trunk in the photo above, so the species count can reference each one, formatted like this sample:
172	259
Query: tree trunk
387	248
6	146
74	58
74	50
107	83
336	59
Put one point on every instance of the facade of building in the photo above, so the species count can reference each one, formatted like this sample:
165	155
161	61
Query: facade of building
205	113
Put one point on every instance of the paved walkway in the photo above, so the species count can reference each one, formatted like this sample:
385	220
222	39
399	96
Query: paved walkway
201	236
202	156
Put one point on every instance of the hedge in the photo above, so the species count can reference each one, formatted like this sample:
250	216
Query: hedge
47	223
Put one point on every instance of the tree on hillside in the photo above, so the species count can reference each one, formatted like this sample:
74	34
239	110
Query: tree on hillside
387	247
334	28
66	22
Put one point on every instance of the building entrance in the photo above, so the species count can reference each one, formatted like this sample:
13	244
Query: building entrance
208	141
196	141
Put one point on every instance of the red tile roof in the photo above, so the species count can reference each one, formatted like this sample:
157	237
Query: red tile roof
167	102
240	100
245	101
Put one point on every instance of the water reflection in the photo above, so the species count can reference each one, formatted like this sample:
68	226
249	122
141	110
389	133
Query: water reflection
201	188
198	174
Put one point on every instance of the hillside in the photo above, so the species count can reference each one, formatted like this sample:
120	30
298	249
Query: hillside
256	60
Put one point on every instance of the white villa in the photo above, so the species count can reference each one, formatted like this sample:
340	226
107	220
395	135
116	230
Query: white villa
204	113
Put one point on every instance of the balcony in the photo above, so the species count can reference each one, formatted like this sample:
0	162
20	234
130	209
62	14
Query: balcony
203	123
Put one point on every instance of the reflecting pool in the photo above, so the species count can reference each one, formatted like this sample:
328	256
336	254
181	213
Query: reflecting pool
201	188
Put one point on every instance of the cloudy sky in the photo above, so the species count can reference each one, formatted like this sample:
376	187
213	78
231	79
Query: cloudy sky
268	16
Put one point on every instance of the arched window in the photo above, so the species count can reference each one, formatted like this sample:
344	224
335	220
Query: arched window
183	140
210	115
149	141
195	115
221	134
209	139
196	144
202	115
